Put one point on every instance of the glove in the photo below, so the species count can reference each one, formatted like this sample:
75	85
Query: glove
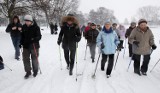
154	47
78	39
20	46
136	43
102	46
58	42
119	48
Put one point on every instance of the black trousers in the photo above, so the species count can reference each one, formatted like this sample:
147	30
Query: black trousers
130	49
144	67
110	63
70	57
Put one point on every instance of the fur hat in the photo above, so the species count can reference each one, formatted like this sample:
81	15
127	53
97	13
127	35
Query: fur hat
69	18
28	18
142	21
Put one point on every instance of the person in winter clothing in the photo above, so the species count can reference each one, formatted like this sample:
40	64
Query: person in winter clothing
69	36
88	27
142	41
83	30
91	37
114	27
55	28
121	35
107	41
99	28
31	36
128	32
52	27
15	28
1	63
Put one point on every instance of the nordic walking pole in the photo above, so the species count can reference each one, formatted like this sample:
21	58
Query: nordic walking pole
85	52
94	75
116	59
125	48
6	66
76	61
130	62
60	56
37	57
155	65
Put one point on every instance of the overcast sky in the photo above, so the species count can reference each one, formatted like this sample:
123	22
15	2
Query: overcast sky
122	8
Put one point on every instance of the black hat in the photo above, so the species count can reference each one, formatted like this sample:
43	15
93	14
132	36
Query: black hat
93	24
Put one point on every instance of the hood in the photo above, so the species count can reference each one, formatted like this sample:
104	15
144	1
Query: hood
69	18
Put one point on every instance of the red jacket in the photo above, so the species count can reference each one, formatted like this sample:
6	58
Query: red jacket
87	29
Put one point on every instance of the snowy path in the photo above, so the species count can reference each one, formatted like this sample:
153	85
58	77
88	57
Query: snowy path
55	80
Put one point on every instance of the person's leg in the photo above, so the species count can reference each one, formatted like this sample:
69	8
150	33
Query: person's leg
144	67
130	50
93	50
35	62
103	61
26	59
137	63
72	58
110	64
14	44
17	47
66	56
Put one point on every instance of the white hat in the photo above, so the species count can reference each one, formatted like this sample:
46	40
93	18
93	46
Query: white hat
28	18
108	21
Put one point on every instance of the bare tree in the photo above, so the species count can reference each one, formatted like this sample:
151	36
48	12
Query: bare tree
55	9
150	13
100	15
9	8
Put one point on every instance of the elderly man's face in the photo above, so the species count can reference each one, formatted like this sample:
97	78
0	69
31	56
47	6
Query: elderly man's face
143	26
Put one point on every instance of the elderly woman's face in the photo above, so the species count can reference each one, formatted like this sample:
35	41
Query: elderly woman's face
108	26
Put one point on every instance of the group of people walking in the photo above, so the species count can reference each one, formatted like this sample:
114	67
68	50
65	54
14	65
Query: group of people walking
108	38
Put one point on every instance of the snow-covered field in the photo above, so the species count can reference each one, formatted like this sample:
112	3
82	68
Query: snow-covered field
55	80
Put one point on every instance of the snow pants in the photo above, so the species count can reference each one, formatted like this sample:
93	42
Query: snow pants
92	47
69	57
144	67
110	63
27	53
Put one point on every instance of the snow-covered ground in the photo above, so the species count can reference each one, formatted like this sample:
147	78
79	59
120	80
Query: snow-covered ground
55	80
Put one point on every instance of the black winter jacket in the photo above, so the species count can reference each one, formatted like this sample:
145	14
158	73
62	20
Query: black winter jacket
69	35
91	35
14	33
31	36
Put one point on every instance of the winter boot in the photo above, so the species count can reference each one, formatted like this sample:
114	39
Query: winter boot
93	61
27	75
137	72
35	73
70	72
144	73
108	76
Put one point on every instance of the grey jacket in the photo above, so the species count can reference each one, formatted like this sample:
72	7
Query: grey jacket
146	40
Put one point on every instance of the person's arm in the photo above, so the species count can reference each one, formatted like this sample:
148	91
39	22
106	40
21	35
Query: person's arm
151	40
38	34
116	40
99	40
132	36
78	35
9	28
60	35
